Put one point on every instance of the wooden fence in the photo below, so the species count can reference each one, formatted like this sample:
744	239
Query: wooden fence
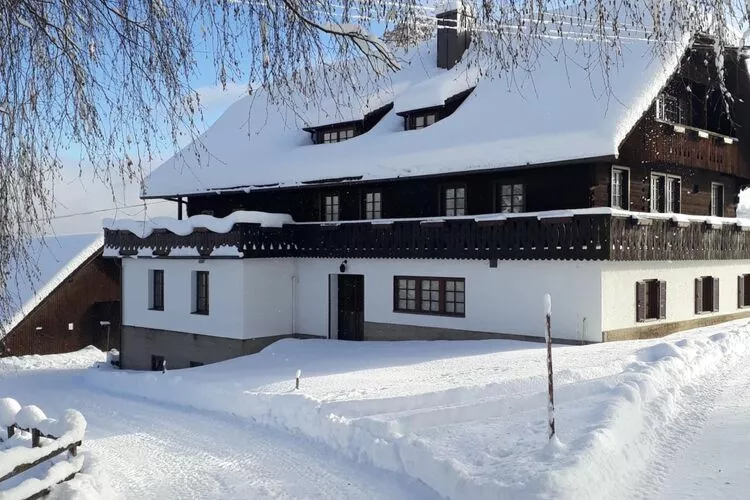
50	445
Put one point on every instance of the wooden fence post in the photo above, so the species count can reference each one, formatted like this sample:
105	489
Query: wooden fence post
550	386
11	431
35	436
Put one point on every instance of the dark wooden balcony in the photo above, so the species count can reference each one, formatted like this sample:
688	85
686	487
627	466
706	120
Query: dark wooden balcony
658	143
583	236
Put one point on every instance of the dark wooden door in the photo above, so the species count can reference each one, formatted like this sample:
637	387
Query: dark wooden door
351	307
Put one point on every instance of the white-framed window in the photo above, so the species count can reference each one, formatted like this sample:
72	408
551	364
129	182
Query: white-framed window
423	121
338	135
156	289
620	188
672	109
717	199
454	200
331	207
373	205
511	198
665	193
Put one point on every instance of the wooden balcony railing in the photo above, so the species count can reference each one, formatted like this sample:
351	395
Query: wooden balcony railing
587	236
658	143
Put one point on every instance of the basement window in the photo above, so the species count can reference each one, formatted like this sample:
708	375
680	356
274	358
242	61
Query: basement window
706	294
650	300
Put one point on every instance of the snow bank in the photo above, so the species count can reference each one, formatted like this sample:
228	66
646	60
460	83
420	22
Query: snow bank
84	358
473	424
144	228
29	417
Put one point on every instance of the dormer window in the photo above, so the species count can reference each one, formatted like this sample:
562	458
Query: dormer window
672	109
422	121
338	135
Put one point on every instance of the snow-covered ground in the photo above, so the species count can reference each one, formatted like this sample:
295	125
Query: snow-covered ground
664	418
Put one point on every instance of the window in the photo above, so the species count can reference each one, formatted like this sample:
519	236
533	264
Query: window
511	198
446	296
373	204
331	207
717	199
743	291
620	188
454	200
650	300
672	109
665	193
422	121
200	292
157	363
706	294
337	135
156	289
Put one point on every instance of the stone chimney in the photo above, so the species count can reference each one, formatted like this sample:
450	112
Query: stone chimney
453	37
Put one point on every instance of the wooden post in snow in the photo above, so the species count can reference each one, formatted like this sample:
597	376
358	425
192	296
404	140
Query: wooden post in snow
550	383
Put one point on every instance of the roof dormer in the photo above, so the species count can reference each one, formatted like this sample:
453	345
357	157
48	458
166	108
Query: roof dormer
342	131
420	118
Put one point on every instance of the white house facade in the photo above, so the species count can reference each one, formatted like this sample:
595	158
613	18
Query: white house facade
445	205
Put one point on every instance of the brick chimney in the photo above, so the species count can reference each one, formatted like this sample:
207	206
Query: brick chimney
453	37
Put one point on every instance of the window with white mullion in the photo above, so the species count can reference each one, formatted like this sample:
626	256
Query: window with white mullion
717	199
620	188
454	199
331	207
665	193
373	205
512	198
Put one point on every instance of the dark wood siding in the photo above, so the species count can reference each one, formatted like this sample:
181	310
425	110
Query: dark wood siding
695	188
89	295
547	188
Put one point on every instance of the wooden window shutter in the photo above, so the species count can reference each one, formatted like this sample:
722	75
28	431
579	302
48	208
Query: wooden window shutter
698	295
716	294
640	301
741	291
662	299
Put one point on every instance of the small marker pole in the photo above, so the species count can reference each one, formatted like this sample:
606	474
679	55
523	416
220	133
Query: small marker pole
299	374
550	387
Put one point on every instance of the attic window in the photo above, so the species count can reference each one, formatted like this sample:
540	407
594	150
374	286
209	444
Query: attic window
672	109
337	135
422	121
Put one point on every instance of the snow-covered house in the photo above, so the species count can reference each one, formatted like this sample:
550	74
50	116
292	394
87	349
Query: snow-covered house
445	204
61	298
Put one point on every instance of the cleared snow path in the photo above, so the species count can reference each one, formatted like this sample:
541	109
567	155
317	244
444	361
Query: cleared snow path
150	450
710	458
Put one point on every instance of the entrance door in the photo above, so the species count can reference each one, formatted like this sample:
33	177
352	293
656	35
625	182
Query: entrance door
351	317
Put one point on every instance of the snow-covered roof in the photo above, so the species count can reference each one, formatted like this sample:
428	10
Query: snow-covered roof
55	258
562	108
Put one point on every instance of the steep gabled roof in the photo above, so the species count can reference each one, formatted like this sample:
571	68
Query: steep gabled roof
55	258
563	108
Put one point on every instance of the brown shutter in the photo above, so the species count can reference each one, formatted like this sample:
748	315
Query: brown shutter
662	299
716	294
740	291
698	295
640	301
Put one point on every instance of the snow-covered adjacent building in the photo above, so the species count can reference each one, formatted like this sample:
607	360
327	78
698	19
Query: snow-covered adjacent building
61	299
445	204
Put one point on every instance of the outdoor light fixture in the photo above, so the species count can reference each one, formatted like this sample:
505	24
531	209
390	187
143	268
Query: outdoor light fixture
342	267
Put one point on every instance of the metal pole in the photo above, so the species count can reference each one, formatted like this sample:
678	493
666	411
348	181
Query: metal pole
108	338
550	384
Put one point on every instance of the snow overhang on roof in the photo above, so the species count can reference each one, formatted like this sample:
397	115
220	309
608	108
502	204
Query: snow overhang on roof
556	111
53	259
